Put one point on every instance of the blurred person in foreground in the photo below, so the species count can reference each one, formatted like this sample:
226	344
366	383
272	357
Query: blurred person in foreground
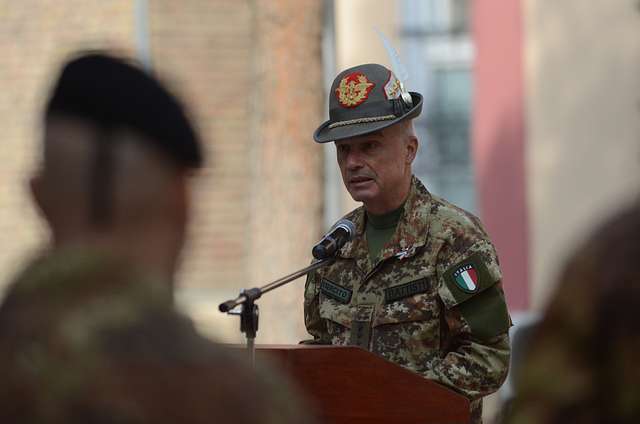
582	363
88	331
420	283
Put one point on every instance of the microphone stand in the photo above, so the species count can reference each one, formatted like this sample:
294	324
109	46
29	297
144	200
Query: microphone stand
249	312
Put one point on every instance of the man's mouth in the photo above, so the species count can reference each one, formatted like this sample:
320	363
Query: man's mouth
360	180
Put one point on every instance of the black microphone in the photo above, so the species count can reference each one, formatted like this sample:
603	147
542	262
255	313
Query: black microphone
342	232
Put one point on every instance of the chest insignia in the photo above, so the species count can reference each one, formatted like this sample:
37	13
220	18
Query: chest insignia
411	288
405	253
334	291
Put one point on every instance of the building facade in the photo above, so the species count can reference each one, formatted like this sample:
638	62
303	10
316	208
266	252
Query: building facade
530	121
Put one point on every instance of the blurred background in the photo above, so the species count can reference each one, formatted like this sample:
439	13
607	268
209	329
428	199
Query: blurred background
531	121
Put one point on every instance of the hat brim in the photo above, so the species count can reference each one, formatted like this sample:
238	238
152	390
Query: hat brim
324	134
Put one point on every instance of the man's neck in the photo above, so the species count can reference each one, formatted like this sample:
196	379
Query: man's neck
148	258
385	221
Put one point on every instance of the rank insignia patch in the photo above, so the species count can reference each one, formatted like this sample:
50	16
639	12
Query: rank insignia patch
354	89
466	277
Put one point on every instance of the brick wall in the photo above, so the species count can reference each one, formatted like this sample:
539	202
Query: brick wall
35	36
286	192
250	74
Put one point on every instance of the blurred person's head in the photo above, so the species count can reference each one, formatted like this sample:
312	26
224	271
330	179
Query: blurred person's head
371	123
118	151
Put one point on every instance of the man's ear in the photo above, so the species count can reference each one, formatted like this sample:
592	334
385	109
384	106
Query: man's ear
412	149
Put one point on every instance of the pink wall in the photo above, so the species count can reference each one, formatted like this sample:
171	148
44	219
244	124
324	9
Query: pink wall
499	138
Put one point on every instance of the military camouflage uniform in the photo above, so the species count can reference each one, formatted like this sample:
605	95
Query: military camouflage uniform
407	307
84	339
583	366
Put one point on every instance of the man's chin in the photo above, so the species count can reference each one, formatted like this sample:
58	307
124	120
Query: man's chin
363	196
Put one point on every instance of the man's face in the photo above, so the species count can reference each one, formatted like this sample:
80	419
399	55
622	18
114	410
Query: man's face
376	168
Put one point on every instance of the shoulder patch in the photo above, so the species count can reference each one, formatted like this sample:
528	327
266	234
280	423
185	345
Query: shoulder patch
467	278
334	291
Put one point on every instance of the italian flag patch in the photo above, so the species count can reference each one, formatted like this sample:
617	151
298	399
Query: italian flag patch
466	278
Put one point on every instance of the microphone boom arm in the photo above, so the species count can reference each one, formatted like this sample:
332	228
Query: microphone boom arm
249	313
256	292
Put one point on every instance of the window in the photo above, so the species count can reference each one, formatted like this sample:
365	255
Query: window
439	54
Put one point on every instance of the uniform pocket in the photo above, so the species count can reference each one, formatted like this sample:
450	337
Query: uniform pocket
418	307
407	331
335	312
410	300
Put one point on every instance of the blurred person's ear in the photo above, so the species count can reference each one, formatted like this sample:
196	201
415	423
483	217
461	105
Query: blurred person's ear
36	185
178	207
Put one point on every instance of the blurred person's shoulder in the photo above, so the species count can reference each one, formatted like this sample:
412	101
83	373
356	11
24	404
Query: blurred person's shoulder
620	227
76	290
83	334
611	249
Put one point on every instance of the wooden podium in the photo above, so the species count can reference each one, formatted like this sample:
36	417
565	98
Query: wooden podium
352	386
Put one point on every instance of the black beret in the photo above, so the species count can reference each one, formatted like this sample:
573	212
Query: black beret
113	93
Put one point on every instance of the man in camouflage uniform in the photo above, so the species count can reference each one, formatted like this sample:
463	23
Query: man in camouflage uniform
583	365
420	283
88	332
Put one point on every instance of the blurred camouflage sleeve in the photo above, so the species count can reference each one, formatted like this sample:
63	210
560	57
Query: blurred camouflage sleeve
475	341
316	326
583	365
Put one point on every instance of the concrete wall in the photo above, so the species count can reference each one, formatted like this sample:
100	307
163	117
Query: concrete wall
583	121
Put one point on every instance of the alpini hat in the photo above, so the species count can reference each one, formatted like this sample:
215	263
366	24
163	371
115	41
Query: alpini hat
364	99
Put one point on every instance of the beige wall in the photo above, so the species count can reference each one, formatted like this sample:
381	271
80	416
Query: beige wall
357	43
583	123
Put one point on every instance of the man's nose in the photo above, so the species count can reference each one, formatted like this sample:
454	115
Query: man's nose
353	160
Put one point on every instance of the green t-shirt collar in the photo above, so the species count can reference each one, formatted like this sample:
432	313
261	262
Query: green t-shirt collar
386	220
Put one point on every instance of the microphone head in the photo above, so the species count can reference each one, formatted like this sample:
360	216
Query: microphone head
319	252
342	232
348	226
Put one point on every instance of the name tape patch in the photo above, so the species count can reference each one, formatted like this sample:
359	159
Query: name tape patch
334	291
411	288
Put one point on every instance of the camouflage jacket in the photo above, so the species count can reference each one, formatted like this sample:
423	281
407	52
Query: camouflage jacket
432	302
583	366
87	339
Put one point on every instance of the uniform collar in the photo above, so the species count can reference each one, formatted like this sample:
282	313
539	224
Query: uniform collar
411	232
85	271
